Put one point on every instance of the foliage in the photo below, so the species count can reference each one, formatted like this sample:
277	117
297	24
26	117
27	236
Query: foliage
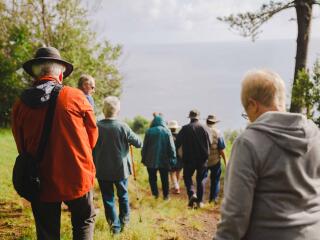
139	124
249	23
63	24
307	92
231	135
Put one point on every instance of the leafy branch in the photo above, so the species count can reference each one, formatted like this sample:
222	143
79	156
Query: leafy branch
248	24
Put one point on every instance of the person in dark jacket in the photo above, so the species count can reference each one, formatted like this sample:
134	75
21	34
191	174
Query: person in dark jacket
111	157
195	142
158	154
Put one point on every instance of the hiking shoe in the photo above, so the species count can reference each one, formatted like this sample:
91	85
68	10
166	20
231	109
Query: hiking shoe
165	198
200	204
193	199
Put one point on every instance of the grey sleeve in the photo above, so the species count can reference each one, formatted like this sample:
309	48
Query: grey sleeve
240	182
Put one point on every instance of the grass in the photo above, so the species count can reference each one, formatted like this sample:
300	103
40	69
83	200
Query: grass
150	218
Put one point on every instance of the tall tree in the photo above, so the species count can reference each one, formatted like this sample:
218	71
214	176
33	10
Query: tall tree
248	25
26	25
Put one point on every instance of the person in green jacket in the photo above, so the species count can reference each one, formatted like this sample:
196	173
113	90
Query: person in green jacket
158	154
113	165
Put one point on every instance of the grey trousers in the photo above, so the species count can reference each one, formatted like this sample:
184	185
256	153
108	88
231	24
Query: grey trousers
47	218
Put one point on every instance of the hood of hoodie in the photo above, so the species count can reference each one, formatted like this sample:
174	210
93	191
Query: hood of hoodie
290	131
40	94
158	121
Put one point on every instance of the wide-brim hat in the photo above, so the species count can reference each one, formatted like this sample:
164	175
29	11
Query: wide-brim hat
47	54
194	114
212	119
173	124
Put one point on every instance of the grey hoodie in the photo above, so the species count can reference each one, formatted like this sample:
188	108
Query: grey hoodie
272	182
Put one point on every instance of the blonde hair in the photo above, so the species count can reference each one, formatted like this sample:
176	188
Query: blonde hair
111	106
264	86
47	68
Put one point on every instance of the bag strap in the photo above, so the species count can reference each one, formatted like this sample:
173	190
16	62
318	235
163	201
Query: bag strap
47	123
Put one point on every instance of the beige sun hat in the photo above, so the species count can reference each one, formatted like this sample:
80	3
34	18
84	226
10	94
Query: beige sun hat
173	124
212	119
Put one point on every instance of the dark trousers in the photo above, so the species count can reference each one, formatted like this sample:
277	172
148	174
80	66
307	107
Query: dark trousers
215	173
107	190
47	217
164	175
201	178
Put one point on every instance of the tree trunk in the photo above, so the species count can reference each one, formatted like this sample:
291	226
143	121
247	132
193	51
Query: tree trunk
304	17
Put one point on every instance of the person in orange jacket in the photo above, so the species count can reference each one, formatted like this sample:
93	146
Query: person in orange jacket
67	170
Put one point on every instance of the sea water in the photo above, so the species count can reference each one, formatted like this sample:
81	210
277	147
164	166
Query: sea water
175	78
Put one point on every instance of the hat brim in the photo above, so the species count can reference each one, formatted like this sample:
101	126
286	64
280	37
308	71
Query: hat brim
27	66
174	127
213	121
194	117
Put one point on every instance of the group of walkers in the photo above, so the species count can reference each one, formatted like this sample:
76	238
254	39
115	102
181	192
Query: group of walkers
195	148
272	181
78	149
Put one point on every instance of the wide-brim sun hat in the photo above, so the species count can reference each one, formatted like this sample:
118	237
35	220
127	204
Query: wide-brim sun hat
212	119
173	124
47	54
194	114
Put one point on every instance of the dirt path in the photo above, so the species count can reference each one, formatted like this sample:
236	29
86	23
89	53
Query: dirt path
12	221
208	219
205	220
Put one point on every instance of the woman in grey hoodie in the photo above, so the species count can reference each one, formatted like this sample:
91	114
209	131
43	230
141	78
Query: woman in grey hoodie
272	182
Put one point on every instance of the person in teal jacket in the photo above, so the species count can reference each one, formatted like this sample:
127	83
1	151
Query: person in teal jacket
158	154
113	165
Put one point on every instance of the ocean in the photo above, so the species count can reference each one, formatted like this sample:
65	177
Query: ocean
175	78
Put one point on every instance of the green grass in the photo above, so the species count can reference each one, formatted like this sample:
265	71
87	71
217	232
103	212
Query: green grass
150	218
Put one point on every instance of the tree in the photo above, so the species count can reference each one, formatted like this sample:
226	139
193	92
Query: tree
308	92
63	24
249	23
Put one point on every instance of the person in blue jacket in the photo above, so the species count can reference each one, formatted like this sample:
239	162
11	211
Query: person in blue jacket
113	165
158	154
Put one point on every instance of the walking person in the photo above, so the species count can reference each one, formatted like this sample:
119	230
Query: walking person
214	161
158	154
67	170
195	142
272	181
111	157
176	170
87	85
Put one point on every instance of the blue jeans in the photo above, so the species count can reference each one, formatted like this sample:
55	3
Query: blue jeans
215	173
116	222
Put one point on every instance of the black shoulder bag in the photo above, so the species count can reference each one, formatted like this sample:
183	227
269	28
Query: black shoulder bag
25	176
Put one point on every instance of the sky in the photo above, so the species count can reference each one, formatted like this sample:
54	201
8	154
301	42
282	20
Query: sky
181	21
163	41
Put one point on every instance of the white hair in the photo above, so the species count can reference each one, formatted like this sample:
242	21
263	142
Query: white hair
111	106
264	86
48	68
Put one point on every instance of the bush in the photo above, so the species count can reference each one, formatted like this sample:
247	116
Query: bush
139	124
